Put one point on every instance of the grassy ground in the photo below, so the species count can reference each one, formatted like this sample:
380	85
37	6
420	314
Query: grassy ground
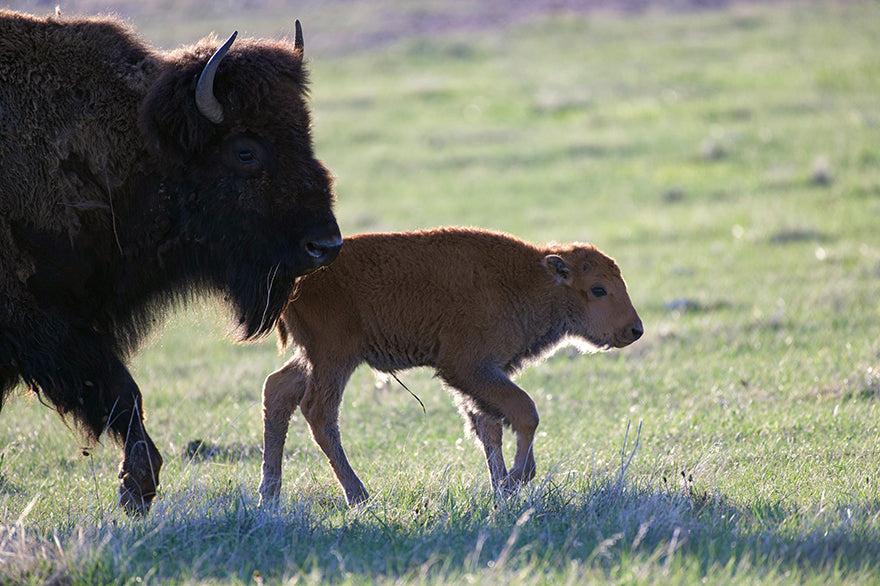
728	159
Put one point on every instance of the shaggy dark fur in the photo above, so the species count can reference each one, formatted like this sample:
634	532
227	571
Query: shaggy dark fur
119	198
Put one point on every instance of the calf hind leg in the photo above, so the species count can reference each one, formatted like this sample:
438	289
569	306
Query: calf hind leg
282	393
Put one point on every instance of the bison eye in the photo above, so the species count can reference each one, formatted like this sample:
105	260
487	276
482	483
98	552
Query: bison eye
245	155
598	291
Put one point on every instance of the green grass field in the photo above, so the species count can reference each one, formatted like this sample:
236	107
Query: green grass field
729	160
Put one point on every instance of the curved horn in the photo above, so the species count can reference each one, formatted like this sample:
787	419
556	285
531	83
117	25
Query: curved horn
205	100
298	39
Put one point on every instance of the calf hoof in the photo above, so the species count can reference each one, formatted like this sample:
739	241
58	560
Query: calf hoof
269	493
356	497
509	486
269	500
517	478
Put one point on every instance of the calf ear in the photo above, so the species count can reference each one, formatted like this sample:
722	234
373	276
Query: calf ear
557	268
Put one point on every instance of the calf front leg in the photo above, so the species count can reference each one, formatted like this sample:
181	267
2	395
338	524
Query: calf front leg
497	396
488	431
282	393
320	407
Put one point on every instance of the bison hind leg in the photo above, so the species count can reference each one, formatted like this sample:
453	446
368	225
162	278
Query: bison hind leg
8	381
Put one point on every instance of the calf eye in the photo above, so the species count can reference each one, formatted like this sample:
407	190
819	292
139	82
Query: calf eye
598	291
246	157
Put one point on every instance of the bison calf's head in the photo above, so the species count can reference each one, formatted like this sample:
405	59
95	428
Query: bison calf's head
592	288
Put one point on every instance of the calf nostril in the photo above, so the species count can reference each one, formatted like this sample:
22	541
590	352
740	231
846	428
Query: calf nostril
637	332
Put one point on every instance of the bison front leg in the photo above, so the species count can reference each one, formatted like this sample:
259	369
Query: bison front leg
320	407
77	370
141	460
282	393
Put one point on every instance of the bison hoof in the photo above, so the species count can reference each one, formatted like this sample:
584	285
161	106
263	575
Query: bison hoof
133	499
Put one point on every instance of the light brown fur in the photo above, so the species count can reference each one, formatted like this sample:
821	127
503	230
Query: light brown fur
476	306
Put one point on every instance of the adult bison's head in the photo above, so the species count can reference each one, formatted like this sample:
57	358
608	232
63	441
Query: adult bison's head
230	130
593	289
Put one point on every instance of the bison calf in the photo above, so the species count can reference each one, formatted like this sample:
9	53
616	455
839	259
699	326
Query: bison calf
476	306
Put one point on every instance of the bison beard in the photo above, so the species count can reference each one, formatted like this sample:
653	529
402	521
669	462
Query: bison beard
258	299
128	185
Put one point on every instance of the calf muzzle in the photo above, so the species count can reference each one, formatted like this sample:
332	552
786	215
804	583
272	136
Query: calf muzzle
628	334
637	330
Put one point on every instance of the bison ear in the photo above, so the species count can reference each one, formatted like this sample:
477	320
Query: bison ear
170	119
180	111
557	268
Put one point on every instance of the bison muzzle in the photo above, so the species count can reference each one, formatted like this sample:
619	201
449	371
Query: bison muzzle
476	306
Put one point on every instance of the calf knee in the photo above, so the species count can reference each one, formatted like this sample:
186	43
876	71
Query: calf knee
524	418
284	388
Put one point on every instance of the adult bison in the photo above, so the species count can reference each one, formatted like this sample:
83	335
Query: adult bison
476	306
132	178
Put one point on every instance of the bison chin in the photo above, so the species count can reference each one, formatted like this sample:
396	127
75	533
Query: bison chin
258	297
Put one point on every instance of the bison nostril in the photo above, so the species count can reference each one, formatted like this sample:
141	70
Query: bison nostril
324	250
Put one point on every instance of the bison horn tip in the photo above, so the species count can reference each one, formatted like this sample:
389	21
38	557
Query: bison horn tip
206	101
298	38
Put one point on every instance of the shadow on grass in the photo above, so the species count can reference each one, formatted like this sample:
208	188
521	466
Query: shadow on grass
563	525
202	451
